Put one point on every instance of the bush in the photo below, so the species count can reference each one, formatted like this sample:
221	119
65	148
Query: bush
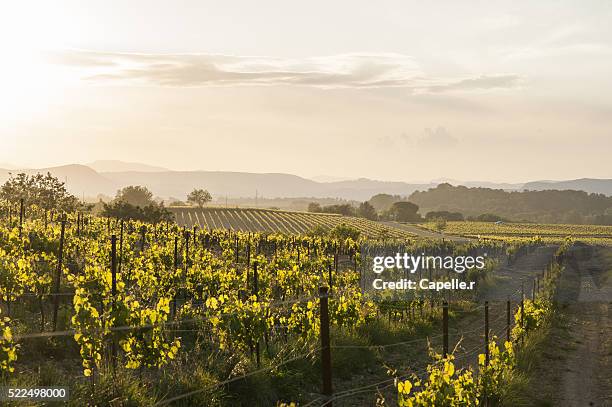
344	231
314	207
489	217
449	216
153	213
344	209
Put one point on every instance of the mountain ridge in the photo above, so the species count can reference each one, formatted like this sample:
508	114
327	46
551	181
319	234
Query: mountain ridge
594	185
83	180
123	166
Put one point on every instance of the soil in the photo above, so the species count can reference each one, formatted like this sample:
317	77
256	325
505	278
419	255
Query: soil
576	367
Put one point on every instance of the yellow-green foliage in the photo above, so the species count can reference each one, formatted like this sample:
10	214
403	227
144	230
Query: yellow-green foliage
525	232
446	386
8	348
535	315
492	377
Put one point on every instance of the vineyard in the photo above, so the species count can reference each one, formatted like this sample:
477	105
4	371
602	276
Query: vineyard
554	233
156	314
277	221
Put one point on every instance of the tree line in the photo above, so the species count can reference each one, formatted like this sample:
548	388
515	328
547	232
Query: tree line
550	206
400	210
445	202
132	202
456	203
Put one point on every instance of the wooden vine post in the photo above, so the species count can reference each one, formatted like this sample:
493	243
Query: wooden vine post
256	293
114	295
486	333
508	320
445	329
58	274
326	366
21	212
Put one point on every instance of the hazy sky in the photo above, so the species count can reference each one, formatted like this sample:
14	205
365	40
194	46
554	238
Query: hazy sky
393	90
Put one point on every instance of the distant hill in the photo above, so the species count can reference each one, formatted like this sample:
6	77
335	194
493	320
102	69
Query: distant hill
113	175
244	184
480	184
122	166
328	178
234	184
591	185
8	166
549	206
79	179
363	189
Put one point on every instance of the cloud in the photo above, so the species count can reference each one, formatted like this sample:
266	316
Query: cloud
80	59
436	138
482	82
431	139
385	70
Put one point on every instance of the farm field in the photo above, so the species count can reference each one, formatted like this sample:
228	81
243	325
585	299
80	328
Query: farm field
551	233
156	314
306	204
214	317
277	221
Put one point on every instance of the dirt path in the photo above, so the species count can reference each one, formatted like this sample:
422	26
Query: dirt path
509	279
587	374
574	365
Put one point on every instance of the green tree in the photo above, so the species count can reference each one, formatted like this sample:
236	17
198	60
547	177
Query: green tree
489	217
156	213
546	206
367	211
136	202
153	213
342	209
573	217
383	202
45	191
199	197
121	210
314	207
431	216
405	212
135	195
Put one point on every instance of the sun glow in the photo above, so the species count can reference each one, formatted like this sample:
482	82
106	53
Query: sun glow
29	82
